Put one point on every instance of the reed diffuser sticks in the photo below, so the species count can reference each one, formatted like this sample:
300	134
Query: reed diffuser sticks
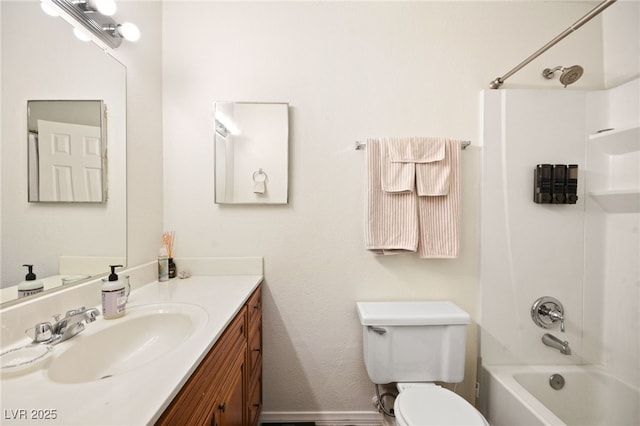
168	239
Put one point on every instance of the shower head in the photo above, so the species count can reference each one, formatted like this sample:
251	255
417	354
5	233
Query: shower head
569	74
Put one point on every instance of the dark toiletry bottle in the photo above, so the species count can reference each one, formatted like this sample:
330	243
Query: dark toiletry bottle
173	270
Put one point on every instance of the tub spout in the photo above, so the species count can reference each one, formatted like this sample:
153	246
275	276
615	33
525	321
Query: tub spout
554	342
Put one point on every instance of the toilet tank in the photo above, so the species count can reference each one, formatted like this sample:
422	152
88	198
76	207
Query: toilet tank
413	341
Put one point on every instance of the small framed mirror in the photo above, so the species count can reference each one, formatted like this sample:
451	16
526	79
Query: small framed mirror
251	153
67	151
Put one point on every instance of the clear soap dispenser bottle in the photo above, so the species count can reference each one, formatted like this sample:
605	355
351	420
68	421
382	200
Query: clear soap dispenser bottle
114	295
30	285
163	265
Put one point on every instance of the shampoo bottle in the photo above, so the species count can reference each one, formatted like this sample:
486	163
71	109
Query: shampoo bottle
163	265
30	285
114	296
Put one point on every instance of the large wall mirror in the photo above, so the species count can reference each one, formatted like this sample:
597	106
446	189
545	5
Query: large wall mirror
251	153
67	241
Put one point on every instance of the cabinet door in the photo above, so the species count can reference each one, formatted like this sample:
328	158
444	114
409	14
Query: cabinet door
198	401
254	402
254	307
255	348
231	407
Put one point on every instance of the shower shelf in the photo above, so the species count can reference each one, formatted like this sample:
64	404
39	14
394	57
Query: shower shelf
621	150
618	141
618	201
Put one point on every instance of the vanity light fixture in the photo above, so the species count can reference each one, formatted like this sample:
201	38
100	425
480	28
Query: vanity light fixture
226	125
128	31
49	9
105	7
93	18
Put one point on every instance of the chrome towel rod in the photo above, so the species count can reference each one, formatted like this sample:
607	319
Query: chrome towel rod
363	145
495	84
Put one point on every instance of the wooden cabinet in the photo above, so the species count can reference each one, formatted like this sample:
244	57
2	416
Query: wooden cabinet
226	388
254	358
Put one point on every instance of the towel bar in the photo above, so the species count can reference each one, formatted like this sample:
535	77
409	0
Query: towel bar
362	145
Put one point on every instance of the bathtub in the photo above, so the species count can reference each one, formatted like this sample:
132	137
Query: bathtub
521	395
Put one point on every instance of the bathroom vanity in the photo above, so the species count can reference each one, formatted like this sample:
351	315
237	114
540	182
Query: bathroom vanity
226	388
188	351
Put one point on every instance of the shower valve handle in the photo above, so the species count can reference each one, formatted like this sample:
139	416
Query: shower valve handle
547	311
557	316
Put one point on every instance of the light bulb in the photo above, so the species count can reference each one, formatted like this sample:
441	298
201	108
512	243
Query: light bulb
106	7
49	9
129	31
81	35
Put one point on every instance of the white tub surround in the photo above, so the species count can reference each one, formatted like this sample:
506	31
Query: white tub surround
585	255
134	397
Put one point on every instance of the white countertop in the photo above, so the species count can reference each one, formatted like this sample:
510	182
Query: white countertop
137	397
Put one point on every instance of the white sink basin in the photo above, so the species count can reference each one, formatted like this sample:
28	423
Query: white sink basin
144	334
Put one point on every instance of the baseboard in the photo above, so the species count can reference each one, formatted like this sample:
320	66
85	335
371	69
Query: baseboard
325	418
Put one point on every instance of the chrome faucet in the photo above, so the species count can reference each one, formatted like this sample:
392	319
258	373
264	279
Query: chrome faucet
554	342
65	328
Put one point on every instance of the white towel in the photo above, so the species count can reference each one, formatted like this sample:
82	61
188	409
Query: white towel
391	219
439	217
259	187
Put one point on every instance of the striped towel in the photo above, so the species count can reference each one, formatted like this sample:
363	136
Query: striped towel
410	163
432	178
415	150
439	217
405	222
397	176
391	220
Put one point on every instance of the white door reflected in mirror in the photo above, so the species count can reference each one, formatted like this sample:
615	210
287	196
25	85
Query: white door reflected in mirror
67	148
70	157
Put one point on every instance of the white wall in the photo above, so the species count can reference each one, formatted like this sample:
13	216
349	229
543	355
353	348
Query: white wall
621	40
348	71
144	129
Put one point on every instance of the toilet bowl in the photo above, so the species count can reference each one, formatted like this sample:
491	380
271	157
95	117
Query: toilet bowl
426	404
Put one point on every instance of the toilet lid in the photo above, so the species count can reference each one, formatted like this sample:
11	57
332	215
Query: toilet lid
435	406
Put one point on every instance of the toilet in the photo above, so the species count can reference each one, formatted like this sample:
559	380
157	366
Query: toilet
415	344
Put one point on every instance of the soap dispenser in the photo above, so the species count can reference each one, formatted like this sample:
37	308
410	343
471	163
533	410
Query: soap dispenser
30	285
163	264
114	295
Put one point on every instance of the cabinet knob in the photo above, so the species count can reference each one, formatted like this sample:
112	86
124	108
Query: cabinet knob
222	407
